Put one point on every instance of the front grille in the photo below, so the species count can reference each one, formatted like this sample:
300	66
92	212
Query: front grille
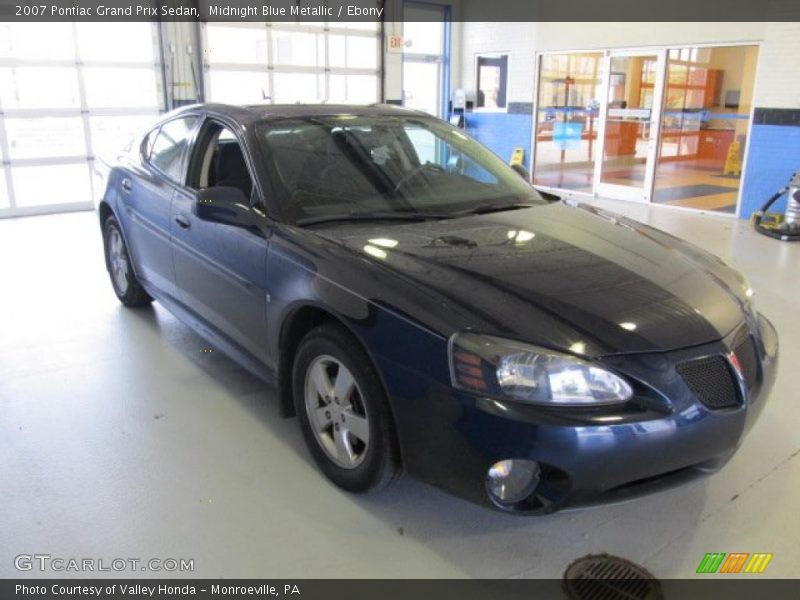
711	380
748	360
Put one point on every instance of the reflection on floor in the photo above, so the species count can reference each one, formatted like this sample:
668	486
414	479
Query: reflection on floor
578	179
691	184
696	184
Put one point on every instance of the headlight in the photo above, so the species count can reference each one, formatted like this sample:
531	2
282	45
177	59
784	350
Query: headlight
495	366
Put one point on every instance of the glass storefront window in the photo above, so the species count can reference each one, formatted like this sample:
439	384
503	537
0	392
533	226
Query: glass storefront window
298	48
238	87
236	45
25	41
101	42
702	137
567	120
110	87
59	82
298	87
42	137
689	155
27	87
73	184
291	62
110	134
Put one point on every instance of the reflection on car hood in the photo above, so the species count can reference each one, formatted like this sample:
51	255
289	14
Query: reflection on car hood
620	286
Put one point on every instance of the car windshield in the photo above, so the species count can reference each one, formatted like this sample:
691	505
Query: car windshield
349	167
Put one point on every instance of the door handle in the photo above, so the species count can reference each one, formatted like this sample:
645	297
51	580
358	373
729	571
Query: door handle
127	185
183	222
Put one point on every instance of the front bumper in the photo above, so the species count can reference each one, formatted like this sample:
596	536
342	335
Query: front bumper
588	457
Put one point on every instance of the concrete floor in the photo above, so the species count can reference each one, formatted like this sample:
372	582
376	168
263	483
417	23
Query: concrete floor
121	437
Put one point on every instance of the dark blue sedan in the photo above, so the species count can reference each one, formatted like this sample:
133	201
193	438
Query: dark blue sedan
422	309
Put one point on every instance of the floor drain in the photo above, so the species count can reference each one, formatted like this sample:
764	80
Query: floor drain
606	577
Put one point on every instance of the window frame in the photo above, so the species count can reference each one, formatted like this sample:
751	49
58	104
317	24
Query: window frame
191	139
193	159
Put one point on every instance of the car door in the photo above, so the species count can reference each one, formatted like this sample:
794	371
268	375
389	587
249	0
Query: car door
221	269
146	195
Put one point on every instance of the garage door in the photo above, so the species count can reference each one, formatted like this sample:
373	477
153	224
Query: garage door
70	92
287	63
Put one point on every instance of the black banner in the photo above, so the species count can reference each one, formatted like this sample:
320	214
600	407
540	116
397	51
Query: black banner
733	588
306	11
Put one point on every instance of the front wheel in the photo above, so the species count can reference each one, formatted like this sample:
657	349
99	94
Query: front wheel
344	412
118	263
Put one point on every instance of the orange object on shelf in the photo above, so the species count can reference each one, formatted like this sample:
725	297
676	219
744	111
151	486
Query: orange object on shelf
714	144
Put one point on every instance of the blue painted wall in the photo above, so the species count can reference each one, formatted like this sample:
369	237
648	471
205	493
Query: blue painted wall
773	156
501	132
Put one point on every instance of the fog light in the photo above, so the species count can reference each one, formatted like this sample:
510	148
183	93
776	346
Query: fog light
511	481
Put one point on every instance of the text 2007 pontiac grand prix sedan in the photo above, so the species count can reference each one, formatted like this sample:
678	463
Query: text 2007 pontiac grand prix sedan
421	308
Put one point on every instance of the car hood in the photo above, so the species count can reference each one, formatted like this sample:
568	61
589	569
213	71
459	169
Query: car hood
573	277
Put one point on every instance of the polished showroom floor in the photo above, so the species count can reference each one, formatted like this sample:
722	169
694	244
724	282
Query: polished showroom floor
121	435
698	184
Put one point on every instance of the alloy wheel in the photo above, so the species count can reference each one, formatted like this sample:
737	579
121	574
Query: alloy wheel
336	411
118	261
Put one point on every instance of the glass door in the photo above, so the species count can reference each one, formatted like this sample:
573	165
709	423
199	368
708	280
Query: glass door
567	120
424	57
630	119
421	86
708	100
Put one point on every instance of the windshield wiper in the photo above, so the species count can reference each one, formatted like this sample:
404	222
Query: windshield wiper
370	216
483	209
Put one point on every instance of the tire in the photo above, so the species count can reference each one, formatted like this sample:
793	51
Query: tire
118	264
336	442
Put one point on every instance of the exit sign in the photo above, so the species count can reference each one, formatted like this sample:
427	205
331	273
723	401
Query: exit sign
395	44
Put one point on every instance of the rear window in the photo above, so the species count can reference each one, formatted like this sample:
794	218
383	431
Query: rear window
168	147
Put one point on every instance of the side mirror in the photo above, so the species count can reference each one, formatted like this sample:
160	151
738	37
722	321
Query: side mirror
226	205
522	172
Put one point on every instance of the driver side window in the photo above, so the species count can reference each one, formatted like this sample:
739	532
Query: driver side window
219	162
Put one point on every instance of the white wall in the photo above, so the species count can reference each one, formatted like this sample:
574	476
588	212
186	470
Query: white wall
393	65
518	39
777	74
589	36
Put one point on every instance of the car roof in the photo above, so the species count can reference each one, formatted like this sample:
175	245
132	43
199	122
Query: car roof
246	114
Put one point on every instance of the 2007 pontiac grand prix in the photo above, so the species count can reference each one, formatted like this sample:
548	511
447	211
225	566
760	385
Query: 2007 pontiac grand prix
421	308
